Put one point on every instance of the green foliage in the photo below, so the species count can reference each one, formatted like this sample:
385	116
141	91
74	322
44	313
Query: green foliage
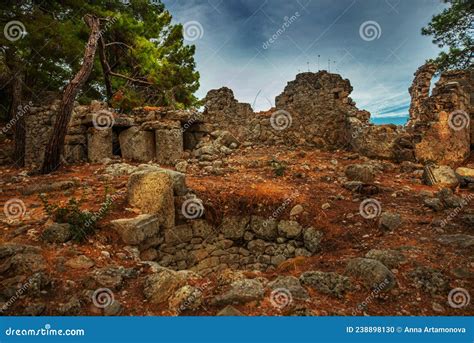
140	41
82	223
278	167
453	29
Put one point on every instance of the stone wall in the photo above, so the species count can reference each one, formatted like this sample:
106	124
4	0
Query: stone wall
441	122
39	126
97	133
314	110
173	228
246	242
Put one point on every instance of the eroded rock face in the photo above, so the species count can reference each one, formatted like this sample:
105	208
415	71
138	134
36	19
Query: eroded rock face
221	107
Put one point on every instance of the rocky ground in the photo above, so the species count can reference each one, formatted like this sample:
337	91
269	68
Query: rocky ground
389	244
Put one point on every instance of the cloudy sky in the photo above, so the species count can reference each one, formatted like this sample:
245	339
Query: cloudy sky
255	47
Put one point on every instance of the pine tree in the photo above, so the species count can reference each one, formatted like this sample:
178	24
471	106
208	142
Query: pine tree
454	29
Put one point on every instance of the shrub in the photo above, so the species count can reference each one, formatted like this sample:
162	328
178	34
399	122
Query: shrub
81	223
278	167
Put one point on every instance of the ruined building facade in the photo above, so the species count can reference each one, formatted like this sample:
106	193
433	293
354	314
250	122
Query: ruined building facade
314	110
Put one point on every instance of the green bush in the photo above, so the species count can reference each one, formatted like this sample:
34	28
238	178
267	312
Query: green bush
81	223
278	167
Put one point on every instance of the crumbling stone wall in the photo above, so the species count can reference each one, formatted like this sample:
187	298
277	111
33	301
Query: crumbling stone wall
420	93
144	135
246	242
314	110
39	124
174	228
441	122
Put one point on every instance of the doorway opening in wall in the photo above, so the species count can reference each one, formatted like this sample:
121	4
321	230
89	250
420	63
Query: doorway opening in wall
116	149
191	136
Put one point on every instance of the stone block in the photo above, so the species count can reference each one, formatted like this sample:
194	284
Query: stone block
169	146
137	145
99	144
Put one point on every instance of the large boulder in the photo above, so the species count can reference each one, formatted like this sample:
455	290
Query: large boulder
240	292
390	221
290	284
442	176
162	285
135	231
152	193
57	233
137	144
457	240
360	172
326	282
372	272
390	258
465	176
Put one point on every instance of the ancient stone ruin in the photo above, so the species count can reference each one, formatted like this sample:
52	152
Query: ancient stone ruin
197	196
314	110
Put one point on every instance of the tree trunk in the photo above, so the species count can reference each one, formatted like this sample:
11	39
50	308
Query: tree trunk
52	156
105	69
16	113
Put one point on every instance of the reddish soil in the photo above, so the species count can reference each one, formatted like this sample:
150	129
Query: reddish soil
250	186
